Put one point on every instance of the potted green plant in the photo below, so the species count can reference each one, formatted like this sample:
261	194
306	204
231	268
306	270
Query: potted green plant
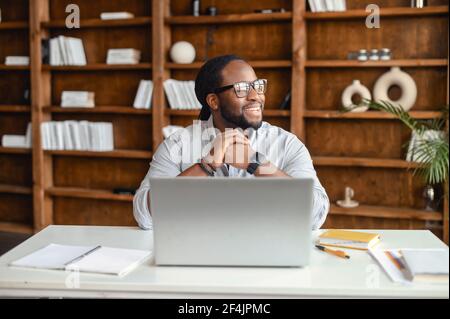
430	142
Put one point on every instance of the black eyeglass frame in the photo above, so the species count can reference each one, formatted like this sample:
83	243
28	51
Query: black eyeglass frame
252	84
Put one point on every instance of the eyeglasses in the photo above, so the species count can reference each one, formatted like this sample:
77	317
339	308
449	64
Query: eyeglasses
242	89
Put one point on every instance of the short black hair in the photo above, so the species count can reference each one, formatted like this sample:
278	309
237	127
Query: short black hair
209	77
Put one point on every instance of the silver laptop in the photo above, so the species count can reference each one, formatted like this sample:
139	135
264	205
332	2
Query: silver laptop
231	221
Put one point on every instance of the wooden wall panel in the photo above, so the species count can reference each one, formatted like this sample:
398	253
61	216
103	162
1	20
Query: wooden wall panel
14	10
111	87
91	9
250	41
13	86
75	211
13	43
373	186
184	7
357	138
98	173
14	123
16	208
15	170
325	86
407	39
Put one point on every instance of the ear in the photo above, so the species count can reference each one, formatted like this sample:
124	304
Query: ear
212	101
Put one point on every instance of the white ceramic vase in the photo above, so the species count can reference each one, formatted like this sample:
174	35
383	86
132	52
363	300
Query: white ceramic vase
355	88
402	79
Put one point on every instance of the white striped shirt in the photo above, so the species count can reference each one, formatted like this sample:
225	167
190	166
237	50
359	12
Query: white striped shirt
187	146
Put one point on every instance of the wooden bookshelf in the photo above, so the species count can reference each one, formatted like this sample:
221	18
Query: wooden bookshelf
111	154
416	63
73	192
295	49
422	115
384	12
16	166
15	108
98	110
365	150
98	23
229	18
14	25
98	67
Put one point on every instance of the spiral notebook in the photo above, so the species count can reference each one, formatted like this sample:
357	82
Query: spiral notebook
92	259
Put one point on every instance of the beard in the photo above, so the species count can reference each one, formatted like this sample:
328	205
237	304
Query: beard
239	120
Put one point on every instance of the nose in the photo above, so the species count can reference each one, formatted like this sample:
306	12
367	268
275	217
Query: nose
252	95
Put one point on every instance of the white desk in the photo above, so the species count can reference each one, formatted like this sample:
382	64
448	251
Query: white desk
327	275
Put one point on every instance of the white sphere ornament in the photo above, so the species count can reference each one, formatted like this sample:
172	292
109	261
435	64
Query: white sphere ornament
182	52
356	88
402	79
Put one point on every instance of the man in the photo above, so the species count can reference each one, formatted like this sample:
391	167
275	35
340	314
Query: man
231	139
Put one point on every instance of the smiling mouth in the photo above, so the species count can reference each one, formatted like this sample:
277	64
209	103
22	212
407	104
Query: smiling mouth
253	108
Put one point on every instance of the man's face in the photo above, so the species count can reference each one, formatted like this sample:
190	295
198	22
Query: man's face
243	112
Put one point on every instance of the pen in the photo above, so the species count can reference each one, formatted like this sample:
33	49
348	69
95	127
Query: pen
81	256
338	253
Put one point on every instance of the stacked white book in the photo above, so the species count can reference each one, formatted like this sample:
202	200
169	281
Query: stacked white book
20	141
17	60
67	51
144	95
77	99
116	15
77	135
181	95
327	5
123	56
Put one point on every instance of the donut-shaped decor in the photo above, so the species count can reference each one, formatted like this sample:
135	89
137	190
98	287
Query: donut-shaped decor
355	88
402	79
182	52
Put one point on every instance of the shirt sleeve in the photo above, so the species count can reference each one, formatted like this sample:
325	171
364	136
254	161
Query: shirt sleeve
166	162
298	163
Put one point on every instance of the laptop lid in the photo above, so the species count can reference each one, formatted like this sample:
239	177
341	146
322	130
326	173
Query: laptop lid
231	221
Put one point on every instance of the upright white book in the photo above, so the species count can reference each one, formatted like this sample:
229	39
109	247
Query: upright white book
143	95
91	259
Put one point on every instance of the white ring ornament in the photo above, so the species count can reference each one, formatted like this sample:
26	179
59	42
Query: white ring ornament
402	79
355	88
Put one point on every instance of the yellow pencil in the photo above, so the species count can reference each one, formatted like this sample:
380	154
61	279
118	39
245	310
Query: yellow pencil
338	253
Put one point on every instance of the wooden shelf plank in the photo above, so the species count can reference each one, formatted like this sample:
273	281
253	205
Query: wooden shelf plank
384	12
363	162
15	108
11	25
98	67
98	110
267	112
16	228
231	18
14	189
87	193
4	67
99	23
368	115
376	64
256	64
14	150
386	212
132	154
